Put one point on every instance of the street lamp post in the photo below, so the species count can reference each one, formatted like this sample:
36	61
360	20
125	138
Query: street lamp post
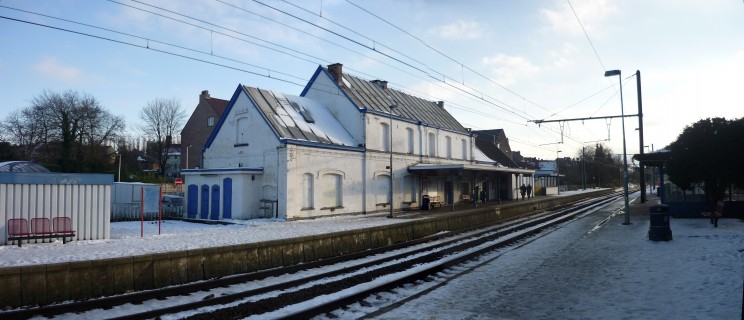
187	156
119	176
392	107
611	73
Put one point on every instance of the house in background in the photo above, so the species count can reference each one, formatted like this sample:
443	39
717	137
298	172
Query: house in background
329	151
495	145
197	129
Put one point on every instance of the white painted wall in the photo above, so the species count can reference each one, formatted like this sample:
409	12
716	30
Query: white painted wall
87	205
261	140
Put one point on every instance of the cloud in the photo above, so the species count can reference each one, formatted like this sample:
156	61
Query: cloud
461	29
508	68
50	67
592	14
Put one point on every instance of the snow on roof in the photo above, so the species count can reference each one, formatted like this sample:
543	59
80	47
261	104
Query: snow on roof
300	118
21	166
481	157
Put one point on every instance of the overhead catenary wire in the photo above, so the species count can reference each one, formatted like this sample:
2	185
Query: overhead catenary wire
150	48
482	96
268	74
445	55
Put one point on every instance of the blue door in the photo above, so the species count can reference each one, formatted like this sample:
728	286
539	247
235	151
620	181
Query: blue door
204	202
227	198
193	206
215	203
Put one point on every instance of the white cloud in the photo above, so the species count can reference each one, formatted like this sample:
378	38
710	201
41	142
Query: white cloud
592	14
563	58
50	67
507	69
461	29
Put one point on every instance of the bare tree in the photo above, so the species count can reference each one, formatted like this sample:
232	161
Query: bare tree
161	119
70	129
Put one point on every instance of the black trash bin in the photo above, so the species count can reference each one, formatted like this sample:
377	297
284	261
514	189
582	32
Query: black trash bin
425	202
659	229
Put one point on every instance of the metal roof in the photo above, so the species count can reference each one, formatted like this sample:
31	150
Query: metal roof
22	166
375	95
300	118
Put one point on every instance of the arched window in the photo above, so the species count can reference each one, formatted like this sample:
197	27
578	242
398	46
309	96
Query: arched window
385	136
409	189
382	190
409	136
432	144
448	144
331	190
307	191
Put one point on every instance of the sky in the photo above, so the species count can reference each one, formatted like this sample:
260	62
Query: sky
495	64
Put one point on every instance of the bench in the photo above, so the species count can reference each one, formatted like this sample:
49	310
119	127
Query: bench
41	228
466	198
436	202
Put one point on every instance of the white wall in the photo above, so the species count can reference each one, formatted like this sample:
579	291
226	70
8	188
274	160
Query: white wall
261	140
49	195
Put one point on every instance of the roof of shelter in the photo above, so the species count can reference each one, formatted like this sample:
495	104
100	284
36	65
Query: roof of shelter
299	118
22	166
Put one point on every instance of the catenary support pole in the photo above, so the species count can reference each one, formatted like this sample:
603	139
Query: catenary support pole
640	136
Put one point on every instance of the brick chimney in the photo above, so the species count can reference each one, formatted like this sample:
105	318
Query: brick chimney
336	71
204	95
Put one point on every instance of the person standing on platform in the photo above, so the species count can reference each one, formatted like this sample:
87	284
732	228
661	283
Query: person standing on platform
522	190
529	191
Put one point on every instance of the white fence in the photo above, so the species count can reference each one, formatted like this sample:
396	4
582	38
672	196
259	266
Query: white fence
85	198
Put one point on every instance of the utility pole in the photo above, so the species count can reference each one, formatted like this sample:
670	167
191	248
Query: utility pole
640	135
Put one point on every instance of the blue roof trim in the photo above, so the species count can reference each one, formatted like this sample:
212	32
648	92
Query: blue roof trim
321	145
232	170
222	119
56	178
312	79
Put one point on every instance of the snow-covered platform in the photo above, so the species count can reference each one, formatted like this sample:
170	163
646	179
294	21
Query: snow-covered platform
598	268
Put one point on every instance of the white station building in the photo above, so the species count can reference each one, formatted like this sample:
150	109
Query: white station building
329	151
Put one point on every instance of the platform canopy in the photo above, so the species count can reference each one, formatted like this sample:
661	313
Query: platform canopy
654	158
438	168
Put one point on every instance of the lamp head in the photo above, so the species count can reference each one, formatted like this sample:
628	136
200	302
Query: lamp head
610	73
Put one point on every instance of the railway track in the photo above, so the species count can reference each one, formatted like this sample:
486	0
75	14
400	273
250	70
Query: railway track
317	288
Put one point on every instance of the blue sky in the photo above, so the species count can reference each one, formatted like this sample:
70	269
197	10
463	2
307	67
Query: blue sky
531	58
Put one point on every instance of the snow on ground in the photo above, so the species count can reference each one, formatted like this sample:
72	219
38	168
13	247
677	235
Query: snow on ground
613	272
125	238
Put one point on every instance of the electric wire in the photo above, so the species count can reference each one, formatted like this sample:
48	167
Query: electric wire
446	56
587	35
471	110
482	95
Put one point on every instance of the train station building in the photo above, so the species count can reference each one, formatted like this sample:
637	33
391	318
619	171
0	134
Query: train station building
338	148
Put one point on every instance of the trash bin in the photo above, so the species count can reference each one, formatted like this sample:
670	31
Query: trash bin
425	202
659	229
